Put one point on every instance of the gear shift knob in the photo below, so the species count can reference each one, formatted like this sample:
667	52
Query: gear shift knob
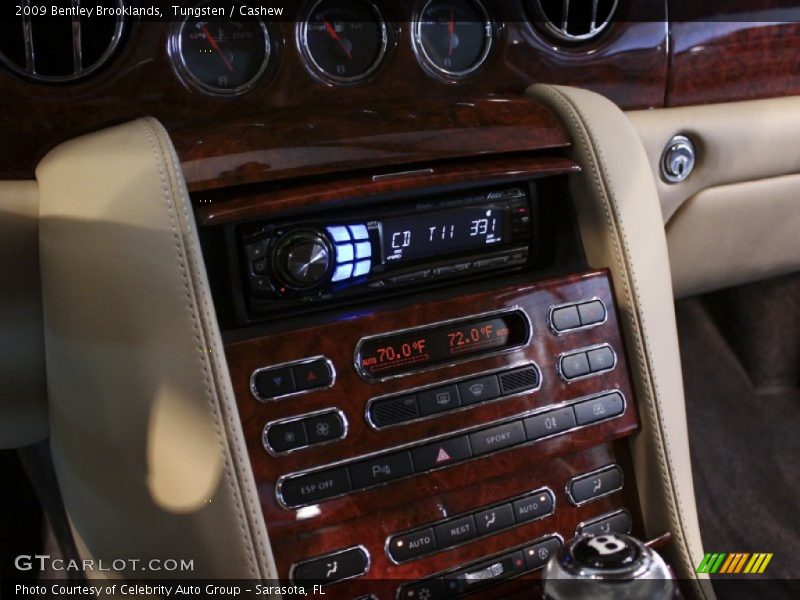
607	567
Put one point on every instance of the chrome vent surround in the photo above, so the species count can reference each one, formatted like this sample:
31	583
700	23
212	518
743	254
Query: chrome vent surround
574	21
60	49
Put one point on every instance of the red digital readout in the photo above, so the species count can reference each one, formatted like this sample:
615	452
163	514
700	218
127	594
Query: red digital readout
408	351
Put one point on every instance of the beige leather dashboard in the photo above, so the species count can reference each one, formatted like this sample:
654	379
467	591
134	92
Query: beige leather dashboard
735	218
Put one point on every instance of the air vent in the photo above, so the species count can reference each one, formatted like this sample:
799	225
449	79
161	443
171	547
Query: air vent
574	20
60	49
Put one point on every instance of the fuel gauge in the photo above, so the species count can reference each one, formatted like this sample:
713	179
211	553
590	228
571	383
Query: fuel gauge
452	38
222	57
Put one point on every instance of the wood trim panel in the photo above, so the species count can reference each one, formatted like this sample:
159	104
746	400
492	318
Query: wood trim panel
367	517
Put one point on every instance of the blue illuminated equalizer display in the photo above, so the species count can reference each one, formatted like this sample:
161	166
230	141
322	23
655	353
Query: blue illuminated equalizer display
353	251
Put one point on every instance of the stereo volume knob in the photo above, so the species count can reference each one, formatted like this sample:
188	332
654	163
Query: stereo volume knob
304	258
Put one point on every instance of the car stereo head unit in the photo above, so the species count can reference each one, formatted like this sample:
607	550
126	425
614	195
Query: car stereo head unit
359	251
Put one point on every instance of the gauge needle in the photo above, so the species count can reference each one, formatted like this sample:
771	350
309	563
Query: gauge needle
332	32
451	28
216	47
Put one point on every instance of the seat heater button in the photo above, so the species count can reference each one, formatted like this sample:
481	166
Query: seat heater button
441	454
412	545
324	428
314	487
283	437
438	400
592	312
454	532
574	365
599	408
534	507
383	468
619	522
333	567
601	359
497	438
549	423
494	519
481	389
584	488
536	556
566	318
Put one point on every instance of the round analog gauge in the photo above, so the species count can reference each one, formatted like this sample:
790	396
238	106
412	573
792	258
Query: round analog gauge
221	57
343	41
452	38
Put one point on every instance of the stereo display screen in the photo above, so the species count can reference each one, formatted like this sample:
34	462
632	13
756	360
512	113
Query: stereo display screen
383	356
440	233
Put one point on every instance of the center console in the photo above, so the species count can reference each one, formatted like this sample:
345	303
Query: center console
432	383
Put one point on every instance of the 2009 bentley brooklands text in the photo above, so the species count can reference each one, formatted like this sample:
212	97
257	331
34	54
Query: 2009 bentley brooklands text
400	299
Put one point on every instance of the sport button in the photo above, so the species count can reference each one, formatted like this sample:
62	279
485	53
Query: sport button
497	438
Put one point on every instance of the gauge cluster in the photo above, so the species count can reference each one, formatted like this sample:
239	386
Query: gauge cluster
340	42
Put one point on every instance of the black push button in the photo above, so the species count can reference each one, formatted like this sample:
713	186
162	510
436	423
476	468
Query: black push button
484	573
441	454
566	318
601	359
494	519
519	380
592	312
599	408
393	411
549	423
380	469
536	556
497	438
271	383
332	567
412	545
455	532
283	437
534	507
430	589
324	428
587	487
314	487
479	390
618	522
574	365
314	374
438	400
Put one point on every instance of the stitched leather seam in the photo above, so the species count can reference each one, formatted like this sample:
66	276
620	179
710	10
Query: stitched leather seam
231	422
191	305
643	352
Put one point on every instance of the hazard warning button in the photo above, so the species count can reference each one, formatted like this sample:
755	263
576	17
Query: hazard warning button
441	454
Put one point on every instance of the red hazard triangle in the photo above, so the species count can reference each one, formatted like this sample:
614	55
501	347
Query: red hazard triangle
311	376
442	456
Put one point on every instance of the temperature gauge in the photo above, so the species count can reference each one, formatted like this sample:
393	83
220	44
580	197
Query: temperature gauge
221	57
343	41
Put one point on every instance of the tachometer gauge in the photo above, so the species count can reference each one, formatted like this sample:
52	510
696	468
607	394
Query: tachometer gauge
452	38
343	41
221	57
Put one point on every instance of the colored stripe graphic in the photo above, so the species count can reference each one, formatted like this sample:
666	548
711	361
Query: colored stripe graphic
734	563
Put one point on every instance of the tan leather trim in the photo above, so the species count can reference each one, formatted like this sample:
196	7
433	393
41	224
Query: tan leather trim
736	141
23	399
620	221
145	432
734	234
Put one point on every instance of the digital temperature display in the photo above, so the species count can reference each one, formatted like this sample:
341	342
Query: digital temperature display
384	356
445	232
